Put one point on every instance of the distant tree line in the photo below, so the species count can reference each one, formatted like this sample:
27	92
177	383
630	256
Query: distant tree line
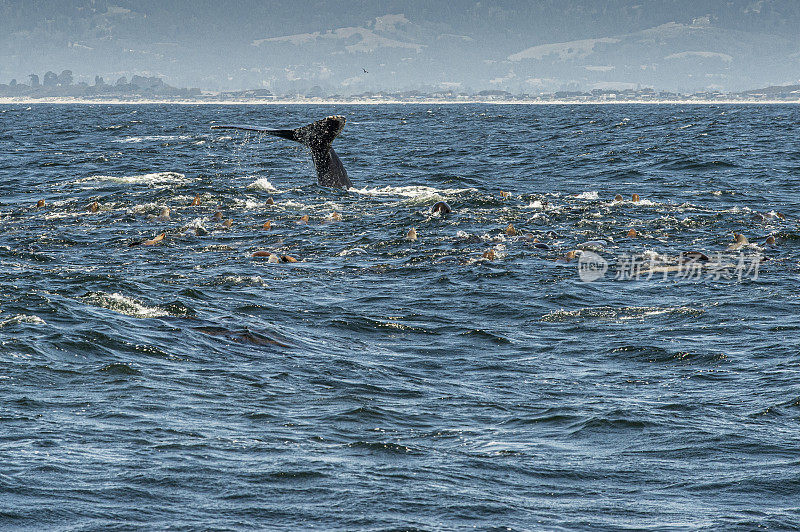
53	85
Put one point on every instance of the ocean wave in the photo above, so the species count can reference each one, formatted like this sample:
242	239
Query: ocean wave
23	318
142	208
352	251
536	204
411	191
122	304
622	313
241	280
149	138
589	195
154	179
262	184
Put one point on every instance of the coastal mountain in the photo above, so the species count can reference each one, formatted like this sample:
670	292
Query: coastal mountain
350	47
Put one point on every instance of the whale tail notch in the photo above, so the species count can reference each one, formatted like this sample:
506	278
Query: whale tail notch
318	136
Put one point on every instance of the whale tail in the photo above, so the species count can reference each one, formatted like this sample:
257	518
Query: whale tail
318	136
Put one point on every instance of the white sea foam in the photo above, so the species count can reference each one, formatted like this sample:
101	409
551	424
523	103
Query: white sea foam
251	280
23	318
651	255
500	251
155	179
774	215
593	245
647	313
411	191
486	237
623	313
58	215
148	138
352	251
590	195
330	206
251	204
146	208
124	305
535	204
262	184
538	216
294	205
194	224
463	235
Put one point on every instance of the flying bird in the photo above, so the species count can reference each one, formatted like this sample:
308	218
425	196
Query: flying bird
365	70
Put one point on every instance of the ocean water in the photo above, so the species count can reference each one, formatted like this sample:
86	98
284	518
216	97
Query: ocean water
380	383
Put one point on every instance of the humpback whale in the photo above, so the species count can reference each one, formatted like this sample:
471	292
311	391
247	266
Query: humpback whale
318	136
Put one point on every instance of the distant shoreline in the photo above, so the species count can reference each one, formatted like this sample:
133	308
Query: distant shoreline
83	101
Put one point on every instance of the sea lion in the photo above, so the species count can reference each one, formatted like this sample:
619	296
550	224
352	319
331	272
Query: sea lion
163	216
693	256
441	207
154	241
739	241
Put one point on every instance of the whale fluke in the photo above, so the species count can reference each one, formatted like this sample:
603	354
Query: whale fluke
318	136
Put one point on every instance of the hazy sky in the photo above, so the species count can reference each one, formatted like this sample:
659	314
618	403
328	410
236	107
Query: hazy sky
519	46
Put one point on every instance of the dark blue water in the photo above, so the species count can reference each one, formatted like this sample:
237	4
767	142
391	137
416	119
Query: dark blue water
381	383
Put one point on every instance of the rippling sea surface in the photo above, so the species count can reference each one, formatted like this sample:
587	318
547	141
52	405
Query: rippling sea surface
468	378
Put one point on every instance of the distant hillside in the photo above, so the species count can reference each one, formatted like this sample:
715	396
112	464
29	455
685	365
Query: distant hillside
780	91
